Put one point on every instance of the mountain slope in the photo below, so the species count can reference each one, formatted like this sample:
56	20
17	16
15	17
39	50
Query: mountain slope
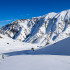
60	48
42	59
9	45
42	30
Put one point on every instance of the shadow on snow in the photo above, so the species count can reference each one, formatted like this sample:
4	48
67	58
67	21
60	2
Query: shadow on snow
59	48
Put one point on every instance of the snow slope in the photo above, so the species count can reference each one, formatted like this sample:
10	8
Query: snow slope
37	62
52	57
60	48
42	30
8	45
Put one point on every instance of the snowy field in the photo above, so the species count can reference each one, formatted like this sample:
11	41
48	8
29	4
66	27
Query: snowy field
19	56
36	62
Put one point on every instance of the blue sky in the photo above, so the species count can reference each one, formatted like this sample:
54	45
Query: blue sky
11	10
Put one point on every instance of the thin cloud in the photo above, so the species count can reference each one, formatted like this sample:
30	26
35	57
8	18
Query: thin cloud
5	20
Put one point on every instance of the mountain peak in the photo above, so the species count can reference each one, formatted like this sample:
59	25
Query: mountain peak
43	30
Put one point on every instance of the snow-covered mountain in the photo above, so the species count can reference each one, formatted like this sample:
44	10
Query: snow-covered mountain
43	30
52	57
9	45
